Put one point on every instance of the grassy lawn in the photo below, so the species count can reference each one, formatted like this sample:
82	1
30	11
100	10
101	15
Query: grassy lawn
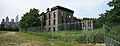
45	41
27	39
74	36
10	40
61	38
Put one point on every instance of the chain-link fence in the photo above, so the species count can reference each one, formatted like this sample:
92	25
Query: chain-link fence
33	29
70	26
111	42
66	36
60	27
112	34
68	32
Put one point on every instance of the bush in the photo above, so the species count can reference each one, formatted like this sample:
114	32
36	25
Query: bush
114	33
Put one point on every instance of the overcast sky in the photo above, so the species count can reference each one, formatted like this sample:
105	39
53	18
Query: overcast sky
82	8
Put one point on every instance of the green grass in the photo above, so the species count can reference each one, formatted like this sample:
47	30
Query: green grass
10	40
61	38
49	41
27	39
74	35
45	41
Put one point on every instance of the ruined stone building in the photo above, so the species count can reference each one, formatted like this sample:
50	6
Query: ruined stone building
88	24
59	17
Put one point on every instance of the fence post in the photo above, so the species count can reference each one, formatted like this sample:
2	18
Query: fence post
52	35
104	31
75	25
86	32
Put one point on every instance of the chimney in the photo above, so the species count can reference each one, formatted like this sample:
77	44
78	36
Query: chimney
47	9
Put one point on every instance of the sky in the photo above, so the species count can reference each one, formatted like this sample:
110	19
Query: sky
82	8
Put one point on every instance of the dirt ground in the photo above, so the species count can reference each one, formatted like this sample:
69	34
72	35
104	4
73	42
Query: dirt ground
13	39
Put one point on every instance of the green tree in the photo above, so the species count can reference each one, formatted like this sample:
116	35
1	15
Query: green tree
30	19
112	19
113	15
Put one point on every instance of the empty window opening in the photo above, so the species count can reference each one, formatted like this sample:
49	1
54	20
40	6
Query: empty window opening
62	13
49	28
49	22
54	21
49	16
54	29
54	15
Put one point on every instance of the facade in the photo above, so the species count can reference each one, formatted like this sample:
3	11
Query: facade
17	17
7	23
59	18
3	21
12	21
7	19
56	16
88	24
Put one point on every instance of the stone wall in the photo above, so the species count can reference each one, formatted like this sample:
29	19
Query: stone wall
56	17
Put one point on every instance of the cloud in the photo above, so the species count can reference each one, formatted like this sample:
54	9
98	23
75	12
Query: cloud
82	8
12	8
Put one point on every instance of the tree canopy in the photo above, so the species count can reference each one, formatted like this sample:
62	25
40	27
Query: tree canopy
113	15
112	19
30	19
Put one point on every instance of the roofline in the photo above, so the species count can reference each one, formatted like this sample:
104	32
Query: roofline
62	8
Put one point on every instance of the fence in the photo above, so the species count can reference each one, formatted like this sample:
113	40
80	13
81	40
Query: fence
111	42
70	32
70	26
71	36
61	27
77	35
112	34
33	29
